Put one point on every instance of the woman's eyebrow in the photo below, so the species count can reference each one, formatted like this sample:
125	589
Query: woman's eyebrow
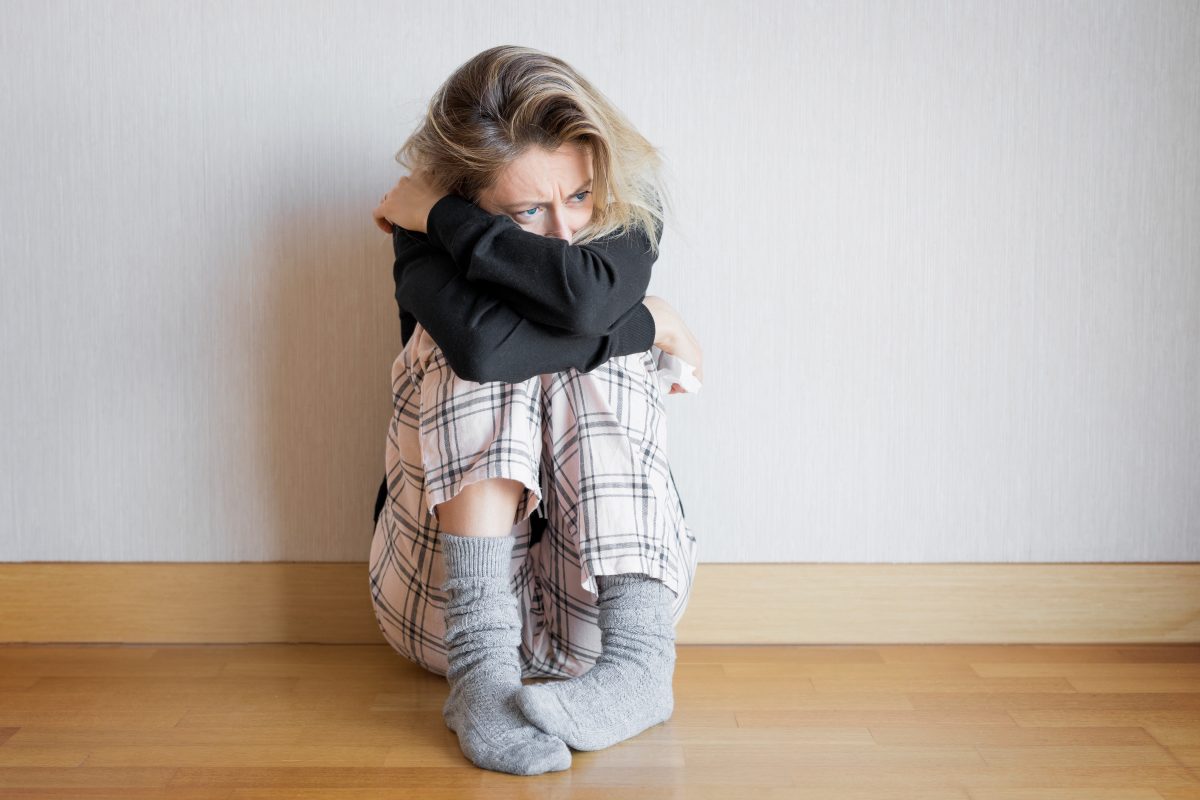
532	203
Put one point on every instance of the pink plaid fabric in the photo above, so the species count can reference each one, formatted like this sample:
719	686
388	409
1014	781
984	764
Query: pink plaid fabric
590	447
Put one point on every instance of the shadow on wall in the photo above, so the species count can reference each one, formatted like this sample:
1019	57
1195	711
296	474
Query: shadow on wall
321	333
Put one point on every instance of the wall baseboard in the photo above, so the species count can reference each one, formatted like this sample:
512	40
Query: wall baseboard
790	603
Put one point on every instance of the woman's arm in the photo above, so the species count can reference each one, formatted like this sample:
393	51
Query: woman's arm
580	289
486	340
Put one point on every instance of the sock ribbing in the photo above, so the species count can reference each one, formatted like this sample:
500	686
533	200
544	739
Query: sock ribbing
476	556
483	635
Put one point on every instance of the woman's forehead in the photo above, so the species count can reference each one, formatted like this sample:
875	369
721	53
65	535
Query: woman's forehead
539	175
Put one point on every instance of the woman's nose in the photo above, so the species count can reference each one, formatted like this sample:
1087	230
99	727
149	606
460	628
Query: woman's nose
560	230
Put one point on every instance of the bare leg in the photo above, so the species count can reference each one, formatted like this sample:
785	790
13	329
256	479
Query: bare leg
483	508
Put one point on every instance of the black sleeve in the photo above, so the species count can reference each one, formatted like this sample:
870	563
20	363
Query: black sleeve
483	338
581	289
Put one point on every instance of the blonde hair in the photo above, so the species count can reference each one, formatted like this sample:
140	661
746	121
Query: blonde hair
509	98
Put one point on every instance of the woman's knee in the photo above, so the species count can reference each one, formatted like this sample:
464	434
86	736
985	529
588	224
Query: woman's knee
623	385
480	449
620	398
484	507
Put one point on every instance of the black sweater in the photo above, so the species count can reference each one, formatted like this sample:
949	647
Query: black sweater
506	304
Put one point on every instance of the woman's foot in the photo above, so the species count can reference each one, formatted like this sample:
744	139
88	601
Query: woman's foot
630	688
494	734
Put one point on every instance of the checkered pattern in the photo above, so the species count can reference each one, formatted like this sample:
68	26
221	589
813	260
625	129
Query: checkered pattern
590	447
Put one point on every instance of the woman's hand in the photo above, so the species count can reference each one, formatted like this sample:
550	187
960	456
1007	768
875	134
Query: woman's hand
671	335
408	203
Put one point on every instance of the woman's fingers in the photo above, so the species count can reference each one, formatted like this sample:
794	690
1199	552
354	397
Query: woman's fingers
381	221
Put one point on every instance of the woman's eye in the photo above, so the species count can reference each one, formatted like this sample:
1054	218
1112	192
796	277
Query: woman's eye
530	212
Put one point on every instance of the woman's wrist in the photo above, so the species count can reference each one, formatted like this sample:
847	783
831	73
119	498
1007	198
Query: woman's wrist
430	204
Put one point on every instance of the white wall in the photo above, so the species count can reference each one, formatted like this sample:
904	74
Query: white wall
943	259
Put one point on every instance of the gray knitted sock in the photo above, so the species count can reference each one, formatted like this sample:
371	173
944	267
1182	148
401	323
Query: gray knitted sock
483	633
629	688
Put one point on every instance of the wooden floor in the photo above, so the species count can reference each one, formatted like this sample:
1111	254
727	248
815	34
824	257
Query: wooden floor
358	721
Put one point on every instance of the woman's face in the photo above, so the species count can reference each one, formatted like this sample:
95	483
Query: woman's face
545	192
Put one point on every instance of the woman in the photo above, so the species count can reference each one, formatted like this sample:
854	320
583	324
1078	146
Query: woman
527	378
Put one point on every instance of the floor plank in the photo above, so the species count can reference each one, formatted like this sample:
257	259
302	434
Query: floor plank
960	722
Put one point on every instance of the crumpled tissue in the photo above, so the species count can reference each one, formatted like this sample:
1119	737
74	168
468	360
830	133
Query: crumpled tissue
672	370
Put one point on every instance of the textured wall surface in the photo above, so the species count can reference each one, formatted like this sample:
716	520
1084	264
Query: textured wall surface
942	257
